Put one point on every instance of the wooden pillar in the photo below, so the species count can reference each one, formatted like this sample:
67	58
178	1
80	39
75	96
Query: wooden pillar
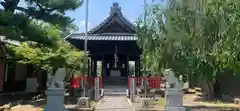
89	66
139	66
136	67
127	65
103	65
95	67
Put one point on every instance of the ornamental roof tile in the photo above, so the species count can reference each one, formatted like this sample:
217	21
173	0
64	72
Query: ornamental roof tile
106	38
115	11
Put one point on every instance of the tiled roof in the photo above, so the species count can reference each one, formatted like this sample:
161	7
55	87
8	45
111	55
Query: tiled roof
106	38
102	34
8	41
115	10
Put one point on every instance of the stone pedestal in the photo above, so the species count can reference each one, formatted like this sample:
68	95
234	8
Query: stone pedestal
55	99
83	102
146	103
174	100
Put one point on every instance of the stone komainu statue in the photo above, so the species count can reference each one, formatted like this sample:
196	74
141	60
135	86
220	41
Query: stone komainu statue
172	81
53	81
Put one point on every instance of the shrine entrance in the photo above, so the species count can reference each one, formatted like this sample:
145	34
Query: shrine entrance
114	68
115	73
111	45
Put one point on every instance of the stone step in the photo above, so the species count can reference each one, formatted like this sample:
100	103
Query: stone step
115	94
115	81
114	78
114	90
104	84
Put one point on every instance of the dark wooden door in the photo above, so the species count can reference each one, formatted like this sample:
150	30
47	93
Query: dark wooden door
1	76
9	82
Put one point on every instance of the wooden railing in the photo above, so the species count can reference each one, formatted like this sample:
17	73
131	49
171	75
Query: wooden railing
76	81
153	82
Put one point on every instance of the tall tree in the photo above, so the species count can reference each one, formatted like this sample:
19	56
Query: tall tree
49	58
25	23
197	38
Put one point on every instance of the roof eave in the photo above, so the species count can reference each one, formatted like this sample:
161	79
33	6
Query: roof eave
104	22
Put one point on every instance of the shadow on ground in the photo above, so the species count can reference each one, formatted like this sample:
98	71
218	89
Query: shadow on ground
34	99
197	102
24	98
210	108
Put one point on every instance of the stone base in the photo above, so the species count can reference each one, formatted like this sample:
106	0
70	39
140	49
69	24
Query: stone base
174	92
175	109
83	102
55	99
145	103
174	98
149	109
81	109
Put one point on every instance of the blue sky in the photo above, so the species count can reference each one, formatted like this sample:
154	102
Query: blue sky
99	10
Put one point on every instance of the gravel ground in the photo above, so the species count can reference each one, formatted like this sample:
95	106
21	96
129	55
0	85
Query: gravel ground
191	104
113	103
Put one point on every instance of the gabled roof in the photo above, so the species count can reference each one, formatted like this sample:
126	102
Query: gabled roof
115	13
106	37
3	47
12	42
114	28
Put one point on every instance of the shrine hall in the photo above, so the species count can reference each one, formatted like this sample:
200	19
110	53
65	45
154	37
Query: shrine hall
112	46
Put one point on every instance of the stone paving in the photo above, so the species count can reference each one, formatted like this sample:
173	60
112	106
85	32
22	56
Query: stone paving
114	103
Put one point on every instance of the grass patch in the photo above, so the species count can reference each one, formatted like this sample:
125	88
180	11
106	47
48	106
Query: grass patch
159	103
198	89
93	103
219	104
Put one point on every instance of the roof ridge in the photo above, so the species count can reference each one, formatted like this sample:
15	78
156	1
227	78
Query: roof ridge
115	10
105	34
106	38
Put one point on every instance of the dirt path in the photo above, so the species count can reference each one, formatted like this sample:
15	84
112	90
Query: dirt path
113	103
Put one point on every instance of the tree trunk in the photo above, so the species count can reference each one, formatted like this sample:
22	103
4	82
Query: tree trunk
207	89
191	81
217	89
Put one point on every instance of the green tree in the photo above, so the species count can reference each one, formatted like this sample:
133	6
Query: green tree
50	58
25	23
199	39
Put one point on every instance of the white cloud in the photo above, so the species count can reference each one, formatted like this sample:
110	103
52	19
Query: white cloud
82	24
133	21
